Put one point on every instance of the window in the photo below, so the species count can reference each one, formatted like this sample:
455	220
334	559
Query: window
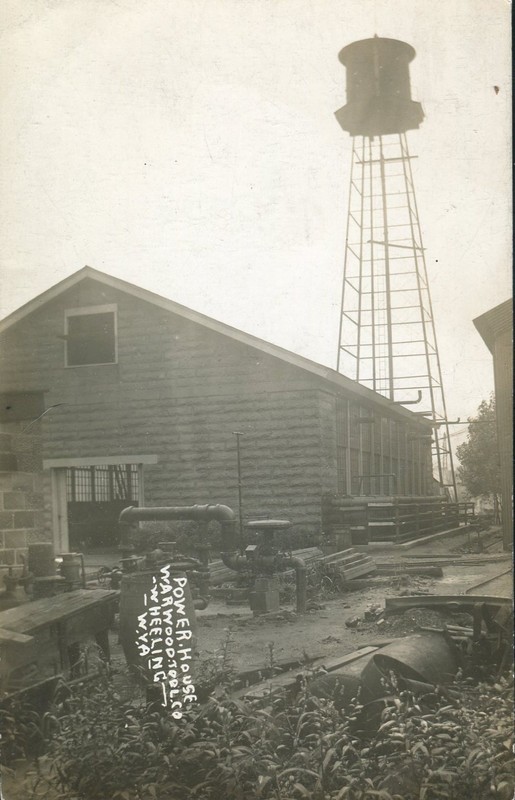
103	483
90	335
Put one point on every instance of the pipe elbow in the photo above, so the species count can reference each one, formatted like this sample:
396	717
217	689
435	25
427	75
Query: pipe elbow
297	563
234	561
126	515
220	513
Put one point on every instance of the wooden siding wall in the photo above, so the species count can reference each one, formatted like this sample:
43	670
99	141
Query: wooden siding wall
503	374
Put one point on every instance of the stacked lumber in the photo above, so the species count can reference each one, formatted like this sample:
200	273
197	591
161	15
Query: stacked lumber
350	564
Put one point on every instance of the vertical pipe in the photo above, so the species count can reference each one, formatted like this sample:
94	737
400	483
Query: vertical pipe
82	570
240	505
301	588
300	581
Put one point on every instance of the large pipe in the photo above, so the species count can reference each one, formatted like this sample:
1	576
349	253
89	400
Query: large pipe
240	563
299	565
199	513
235	561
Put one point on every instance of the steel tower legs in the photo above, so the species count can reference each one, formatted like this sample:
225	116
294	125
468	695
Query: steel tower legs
387	337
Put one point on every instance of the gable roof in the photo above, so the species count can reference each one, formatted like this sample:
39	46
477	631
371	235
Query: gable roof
494	322
325	373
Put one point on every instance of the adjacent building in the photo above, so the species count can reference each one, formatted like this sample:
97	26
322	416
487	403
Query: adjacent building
496	330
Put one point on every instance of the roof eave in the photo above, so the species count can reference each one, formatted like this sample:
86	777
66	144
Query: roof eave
335	379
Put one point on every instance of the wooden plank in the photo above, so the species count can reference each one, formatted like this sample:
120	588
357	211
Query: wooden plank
410	569
11	637
359	570
340	559
379	643
33	615
435	600
502	583
289	679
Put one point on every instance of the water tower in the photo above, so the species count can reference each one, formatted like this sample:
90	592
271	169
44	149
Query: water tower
387	338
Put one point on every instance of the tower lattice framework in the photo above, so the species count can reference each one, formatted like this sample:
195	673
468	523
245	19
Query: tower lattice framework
387	337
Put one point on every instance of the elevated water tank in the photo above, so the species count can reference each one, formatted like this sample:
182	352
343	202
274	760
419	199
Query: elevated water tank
378	88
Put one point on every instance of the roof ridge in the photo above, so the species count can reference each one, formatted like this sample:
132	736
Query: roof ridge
274	350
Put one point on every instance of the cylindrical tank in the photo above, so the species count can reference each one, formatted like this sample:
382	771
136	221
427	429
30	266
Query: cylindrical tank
158	627
378	88
70	567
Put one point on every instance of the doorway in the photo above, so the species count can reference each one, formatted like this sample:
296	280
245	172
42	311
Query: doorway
95	497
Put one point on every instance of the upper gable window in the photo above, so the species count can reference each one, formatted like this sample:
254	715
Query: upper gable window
90	336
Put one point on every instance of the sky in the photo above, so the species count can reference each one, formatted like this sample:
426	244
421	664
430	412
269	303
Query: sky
191	148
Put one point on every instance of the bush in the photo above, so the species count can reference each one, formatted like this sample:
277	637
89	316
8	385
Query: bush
187	536
428	748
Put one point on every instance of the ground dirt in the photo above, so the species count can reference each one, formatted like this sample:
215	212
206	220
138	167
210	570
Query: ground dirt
322	631
256	642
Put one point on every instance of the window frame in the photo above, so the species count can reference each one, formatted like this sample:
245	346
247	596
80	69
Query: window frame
85	311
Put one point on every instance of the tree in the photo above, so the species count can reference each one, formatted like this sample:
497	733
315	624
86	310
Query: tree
480	469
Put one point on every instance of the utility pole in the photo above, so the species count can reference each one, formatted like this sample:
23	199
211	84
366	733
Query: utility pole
240	508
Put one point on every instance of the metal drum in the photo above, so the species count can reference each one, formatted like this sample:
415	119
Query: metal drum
158	630
427	658
71	567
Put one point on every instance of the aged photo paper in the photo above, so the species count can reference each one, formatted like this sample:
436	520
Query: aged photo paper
255	400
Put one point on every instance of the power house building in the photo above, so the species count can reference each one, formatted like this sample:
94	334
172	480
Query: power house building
138	399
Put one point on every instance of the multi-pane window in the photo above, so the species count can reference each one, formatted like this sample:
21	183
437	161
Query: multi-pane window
97	484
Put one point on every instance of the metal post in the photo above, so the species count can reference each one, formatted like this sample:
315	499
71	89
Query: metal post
388	292
240	507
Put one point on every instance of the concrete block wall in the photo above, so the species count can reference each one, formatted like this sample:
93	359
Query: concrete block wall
179	391
280	456
22	516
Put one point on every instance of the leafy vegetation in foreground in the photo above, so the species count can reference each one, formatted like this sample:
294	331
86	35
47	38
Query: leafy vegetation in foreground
427	748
